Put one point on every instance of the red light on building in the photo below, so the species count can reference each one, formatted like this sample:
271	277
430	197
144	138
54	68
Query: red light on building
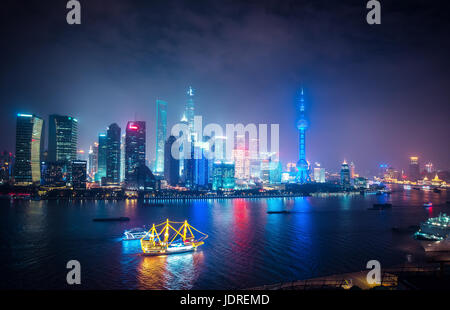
134	127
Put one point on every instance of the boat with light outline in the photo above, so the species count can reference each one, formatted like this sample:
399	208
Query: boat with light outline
164	239
136	233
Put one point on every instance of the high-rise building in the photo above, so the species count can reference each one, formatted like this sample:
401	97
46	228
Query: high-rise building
134	149
183	121
122	158
29	148
241	158
102	151
352	170
189	109
319	174
276	169
414	169
79	174
113	154
302	125
93	160
161	124
171	165
429	167
345	175
200	176
6	162
223	176
62	142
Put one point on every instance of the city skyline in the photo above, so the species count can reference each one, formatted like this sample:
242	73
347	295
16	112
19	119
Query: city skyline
360	102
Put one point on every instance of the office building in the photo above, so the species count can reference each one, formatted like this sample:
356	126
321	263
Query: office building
171	165
135	135
29	149
79	175
161	124
113	155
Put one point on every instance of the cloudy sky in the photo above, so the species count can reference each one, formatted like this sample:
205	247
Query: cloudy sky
375	93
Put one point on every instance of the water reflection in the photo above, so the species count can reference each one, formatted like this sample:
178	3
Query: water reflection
176	271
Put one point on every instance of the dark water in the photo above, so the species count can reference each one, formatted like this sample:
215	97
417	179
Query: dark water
246	246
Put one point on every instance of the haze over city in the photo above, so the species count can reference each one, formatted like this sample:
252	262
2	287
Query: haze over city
373	94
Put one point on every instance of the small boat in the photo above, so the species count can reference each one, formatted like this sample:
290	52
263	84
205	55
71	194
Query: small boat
111	219
428	204
279	212
381	206
134	233
173	240
436	190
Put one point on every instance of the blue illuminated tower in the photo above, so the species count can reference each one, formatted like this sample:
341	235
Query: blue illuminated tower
302	125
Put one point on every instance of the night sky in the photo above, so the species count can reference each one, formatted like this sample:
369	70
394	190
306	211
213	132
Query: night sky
375	93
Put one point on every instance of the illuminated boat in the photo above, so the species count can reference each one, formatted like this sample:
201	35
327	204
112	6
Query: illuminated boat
134	233
428	204
434	229
164	238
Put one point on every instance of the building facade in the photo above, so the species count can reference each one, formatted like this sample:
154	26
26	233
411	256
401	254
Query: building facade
135	135
102	151
161	124
113	155
29	148
171	165
79	174
345	176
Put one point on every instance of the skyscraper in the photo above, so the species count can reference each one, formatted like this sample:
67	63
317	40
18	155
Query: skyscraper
134	149
171	165
345	175
189	109
29	146
414	169
79	174
122	158
302	125
93	160
161	124
223	178
352	170
113	154
102	146
62	139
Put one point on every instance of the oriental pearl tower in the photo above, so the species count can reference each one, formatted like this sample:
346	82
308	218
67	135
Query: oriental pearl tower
302	125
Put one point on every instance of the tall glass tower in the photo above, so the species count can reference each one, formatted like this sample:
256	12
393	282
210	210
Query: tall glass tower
29	145
102	151
161	124
134	150
302	125
189	109
113	154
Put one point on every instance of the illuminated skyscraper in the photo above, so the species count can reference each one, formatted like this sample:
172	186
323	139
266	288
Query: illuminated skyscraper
345	175
189	109
122	158
223	178
93	160
429	167
183	120
29	146
352	170
319	174
62	139
414	169
113	154
302	125
171	165
102	147
134	149
161	124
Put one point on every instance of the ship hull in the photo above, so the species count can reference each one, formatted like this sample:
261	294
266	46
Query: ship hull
170	251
